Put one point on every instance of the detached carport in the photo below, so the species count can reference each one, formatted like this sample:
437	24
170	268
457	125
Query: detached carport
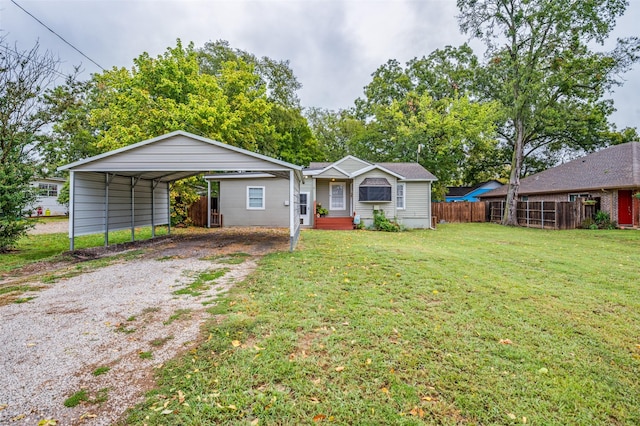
130	187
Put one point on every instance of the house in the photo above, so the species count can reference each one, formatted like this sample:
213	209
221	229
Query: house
351	188
470	193
610	177
47	202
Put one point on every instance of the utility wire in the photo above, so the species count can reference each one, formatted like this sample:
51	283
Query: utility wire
57	35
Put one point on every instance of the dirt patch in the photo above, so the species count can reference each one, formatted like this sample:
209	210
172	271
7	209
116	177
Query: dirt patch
114	317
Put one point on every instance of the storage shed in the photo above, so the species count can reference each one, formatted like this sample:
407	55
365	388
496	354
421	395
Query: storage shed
129	187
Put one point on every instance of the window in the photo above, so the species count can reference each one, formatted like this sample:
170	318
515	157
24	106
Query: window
255	197
374	189
304	208
573	197
48	190
400	196
337	198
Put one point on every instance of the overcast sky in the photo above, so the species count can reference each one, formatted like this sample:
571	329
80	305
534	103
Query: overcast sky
333	45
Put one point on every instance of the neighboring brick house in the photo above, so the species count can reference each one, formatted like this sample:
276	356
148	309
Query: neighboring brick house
611	177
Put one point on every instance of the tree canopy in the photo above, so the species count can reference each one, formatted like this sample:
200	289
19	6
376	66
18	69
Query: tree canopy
25	77
542	70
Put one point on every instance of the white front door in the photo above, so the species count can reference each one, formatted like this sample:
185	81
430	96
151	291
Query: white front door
304	208
337	196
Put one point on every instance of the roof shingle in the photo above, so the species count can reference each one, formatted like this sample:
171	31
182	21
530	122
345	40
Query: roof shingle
615	167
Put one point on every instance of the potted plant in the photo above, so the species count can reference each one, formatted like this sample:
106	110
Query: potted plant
321	211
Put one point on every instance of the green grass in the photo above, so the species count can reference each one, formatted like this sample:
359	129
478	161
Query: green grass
75	399
146	355
203	282
83	396
101	370
179	314
469	324
34	248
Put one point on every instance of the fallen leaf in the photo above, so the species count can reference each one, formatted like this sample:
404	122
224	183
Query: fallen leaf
384	390
319	417
166	412
3	406
18	417
505	342
255	422
47	422
180	397
339	368
235	343
427	398
543	370
524	420
369	361
88	416
511	416
232	407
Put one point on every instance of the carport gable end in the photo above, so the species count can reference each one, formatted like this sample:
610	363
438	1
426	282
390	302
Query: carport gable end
129	187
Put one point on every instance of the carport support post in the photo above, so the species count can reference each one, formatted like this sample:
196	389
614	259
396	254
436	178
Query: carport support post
133	211
72	230
106	209
168	208
208	203
153	208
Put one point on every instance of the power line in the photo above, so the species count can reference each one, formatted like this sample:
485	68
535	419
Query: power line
57	35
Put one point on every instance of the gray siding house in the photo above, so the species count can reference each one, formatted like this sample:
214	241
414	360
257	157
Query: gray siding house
351	187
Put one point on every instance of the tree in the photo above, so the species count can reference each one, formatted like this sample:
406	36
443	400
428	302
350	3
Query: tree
24	78
292	139
337	132
549	81
431	106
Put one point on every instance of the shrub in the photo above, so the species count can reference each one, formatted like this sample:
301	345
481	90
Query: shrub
603	220
382	223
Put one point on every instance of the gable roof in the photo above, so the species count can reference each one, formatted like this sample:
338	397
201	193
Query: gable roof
177	155
404	171
615	167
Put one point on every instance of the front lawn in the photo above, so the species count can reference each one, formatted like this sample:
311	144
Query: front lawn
469	324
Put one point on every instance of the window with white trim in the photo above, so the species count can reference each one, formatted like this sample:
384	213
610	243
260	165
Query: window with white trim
48	190
255	197
400	201
573	197
337	196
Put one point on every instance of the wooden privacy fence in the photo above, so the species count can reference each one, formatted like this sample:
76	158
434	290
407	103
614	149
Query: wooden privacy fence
545	214
463	212
198	214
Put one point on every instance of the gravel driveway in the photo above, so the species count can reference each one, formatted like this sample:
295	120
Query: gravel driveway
51	345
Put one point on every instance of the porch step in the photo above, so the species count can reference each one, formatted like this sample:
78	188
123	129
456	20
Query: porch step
334	223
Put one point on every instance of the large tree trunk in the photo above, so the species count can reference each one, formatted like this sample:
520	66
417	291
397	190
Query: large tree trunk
510	216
